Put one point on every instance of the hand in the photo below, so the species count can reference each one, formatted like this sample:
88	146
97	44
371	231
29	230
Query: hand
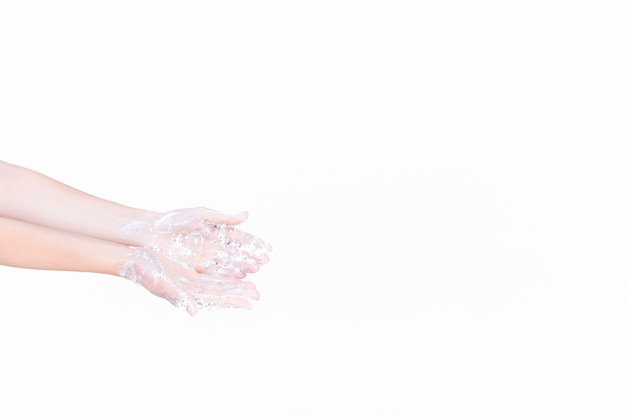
183	286
208	241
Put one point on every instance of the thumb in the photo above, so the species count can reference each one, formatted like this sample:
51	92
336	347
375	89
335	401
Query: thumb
220	217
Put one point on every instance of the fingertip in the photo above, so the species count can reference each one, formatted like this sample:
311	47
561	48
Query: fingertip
192	309
234	219
243	216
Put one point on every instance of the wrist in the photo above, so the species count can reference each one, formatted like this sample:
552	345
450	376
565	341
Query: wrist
139	230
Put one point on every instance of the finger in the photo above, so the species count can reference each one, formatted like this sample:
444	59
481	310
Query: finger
192	308
246	265
231	272
182	300
261	245
259	256
231	288
220	270
197	219
264	260
217	217
210	303
249	240
239	236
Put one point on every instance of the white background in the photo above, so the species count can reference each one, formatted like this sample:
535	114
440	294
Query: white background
442	182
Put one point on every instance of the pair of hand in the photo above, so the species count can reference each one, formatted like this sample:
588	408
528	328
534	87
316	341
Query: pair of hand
197	258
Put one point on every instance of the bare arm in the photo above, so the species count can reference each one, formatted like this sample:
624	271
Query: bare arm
35	198
26	245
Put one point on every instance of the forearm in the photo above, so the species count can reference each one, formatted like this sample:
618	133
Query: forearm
26	245
32	197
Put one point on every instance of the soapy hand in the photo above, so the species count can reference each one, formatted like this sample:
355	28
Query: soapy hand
203	239
183	286
209	242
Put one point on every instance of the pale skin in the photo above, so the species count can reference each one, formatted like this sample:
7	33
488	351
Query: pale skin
194	258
